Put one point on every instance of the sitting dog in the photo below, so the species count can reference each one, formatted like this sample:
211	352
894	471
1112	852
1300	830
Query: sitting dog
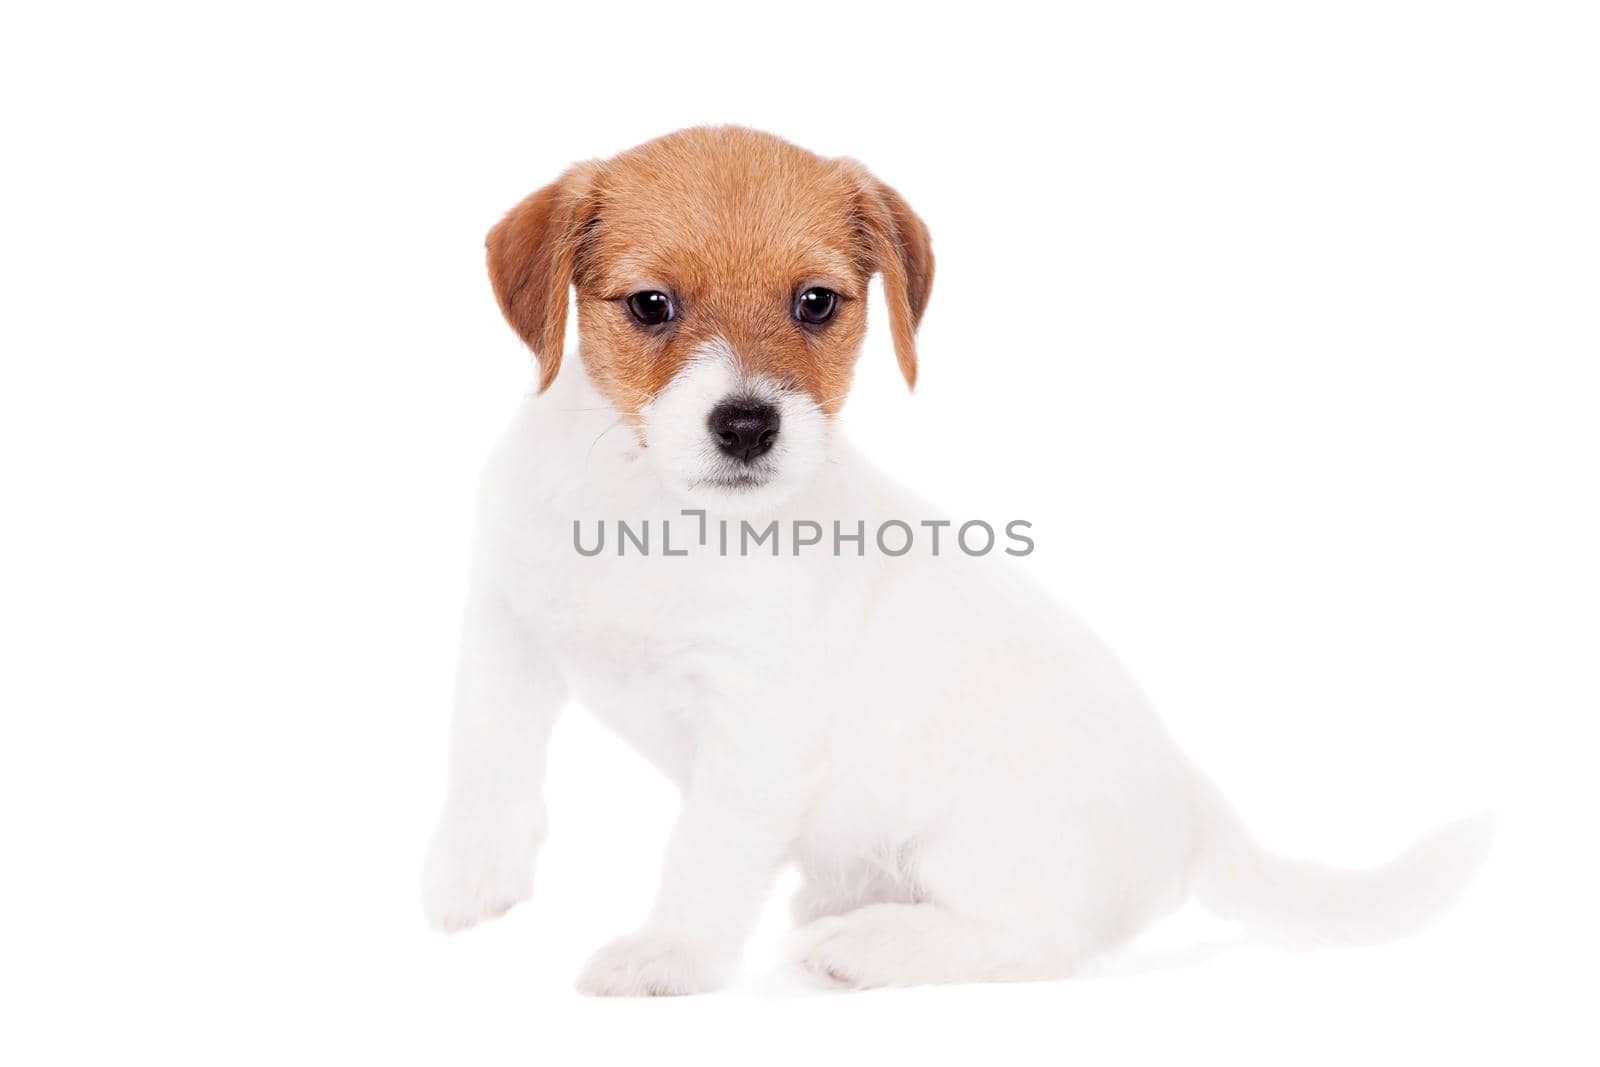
969	782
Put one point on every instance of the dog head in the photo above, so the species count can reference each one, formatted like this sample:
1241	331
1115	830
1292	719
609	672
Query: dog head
721	278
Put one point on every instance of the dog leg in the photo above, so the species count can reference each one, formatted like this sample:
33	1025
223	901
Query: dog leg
990	907
480	860
921	944
736	827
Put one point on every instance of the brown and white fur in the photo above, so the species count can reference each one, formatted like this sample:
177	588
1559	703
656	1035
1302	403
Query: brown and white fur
972	786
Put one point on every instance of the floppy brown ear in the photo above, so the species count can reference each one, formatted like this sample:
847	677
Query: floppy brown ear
532	252
898	245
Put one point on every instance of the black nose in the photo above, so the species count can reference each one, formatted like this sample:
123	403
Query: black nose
744	429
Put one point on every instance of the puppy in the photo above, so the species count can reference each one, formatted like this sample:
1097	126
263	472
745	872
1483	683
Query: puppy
971	785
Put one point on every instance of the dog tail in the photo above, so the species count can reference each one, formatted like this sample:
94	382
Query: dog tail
1238	879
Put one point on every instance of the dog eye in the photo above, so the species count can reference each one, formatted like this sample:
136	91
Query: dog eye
651	308
815	306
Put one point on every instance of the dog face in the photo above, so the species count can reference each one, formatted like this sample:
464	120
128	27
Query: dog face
721	278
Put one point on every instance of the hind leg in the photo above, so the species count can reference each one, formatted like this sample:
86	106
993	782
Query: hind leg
992	908
922	944
944	932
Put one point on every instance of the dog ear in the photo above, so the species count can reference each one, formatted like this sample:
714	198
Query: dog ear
532	253
897	244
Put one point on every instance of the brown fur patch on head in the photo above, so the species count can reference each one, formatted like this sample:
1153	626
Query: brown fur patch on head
732	224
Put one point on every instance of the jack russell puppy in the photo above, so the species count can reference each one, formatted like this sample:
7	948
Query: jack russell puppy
970	783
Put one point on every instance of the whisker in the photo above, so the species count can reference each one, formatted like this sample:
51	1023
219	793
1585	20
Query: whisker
589	456
602	407
831	400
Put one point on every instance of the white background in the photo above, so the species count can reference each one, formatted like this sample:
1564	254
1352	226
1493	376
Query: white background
1279	321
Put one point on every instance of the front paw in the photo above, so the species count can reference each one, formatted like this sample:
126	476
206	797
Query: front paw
479	864
650	964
